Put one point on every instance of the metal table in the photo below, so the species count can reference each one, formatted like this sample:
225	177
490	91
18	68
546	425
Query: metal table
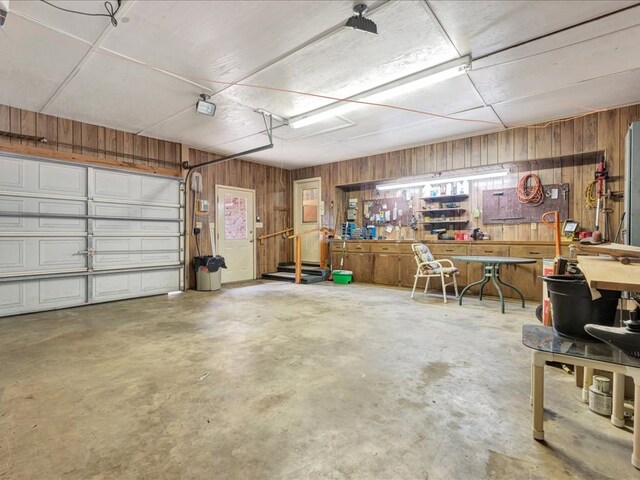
492	272
548	346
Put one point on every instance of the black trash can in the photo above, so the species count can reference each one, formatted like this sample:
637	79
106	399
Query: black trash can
572	306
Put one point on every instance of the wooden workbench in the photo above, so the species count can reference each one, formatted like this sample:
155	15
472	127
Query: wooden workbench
606	273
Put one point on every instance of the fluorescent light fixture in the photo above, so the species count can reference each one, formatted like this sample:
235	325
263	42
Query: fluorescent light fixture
408	84
480	176
204	107
439	180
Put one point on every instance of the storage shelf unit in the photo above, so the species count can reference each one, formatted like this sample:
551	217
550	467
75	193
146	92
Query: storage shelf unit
444	215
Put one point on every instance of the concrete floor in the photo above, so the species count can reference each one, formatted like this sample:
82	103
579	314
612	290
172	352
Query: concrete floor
280	381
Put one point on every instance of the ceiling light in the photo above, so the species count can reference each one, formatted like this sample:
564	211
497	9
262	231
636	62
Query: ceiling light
439	180
4	10
358	22
404	85
204	107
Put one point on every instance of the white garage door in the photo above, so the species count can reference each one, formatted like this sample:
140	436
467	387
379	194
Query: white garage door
74	235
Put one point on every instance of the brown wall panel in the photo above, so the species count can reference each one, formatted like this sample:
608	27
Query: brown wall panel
597	131
66	135
273	205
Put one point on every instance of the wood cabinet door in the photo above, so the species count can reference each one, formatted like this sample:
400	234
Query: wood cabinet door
361	266
408	269
386	269
525	278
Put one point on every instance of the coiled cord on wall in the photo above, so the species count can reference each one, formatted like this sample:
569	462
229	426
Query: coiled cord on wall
591	200
530	194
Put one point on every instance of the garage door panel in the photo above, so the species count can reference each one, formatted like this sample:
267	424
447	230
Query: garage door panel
160	281
62	253
12	174
159	190
62	179
61	207
29	176
115	251
116	185
11	205
12	256
115	226
38	255
44	223
161	250
46	294
62	291
109	286
12	297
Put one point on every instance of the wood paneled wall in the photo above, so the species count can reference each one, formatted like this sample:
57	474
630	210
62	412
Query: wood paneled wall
598	131
273	204
66	135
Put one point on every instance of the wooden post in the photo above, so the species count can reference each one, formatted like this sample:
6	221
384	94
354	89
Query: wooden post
298	257
323	253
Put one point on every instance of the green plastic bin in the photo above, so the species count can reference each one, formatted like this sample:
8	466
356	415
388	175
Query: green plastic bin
342	277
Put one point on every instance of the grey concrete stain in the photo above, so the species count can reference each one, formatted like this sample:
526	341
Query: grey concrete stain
280	381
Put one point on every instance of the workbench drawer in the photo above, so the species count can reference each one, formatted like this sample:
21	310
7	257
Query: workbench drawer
337	247
405	249
531	251
448	249
385	248
489	250
360	247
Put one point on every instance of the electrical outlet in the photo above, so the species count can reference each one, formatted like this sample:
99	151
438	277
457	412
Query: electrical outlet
534	226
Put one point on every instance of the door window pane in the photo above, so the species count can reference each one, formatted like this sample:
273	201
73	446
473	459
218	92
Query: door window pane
310	205
235	217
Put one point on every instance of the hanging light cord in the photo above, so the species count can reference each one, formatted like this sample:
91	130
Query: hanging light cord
111	12
532	195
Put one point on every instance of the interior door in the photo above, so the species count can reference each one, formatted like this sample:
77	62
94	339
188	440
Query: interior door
235	232
308	216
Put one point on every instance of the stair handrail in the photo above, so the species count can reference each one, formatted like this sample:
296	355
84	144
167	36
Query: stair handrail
281	232
298	248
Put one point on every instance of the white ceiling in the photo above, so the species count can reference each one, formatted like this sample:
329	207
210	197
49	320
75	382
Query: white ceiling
532	61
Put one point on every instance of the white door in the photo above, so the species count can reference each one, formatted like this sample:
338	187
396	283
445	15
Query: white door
73	235
235	226
307	216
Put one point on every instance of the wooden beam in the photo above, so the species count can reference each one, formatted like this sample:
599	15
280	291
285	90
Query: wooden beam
47	154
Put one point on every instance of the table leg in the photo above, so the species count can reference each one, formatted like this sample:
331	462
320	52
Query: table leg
495	276
488	272
512	288
586	383
617	413
482	281
537	377
635	456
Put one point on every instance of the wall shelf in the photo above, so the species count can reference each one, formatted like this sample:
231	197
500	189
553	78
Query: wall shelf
446	198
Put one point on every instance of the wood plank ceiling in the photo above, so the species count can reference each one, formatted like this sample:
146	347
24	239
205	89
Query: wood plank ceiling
531	61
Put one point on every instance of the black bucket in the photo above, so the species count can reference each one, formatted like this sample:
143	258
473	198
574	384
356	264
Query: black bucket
572	307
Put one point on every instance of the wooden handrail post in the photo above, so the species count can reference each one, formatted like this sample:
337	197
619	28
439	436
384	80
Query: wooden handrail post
323	253
298	258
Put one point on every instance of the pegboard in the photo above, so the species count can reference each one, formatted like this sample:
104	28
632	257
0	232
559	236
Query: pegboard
387	211
502	206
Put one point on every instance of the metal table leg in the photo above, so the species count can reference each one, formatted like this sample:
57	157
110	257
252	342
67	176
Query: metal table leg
495	278
482	282
512	288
